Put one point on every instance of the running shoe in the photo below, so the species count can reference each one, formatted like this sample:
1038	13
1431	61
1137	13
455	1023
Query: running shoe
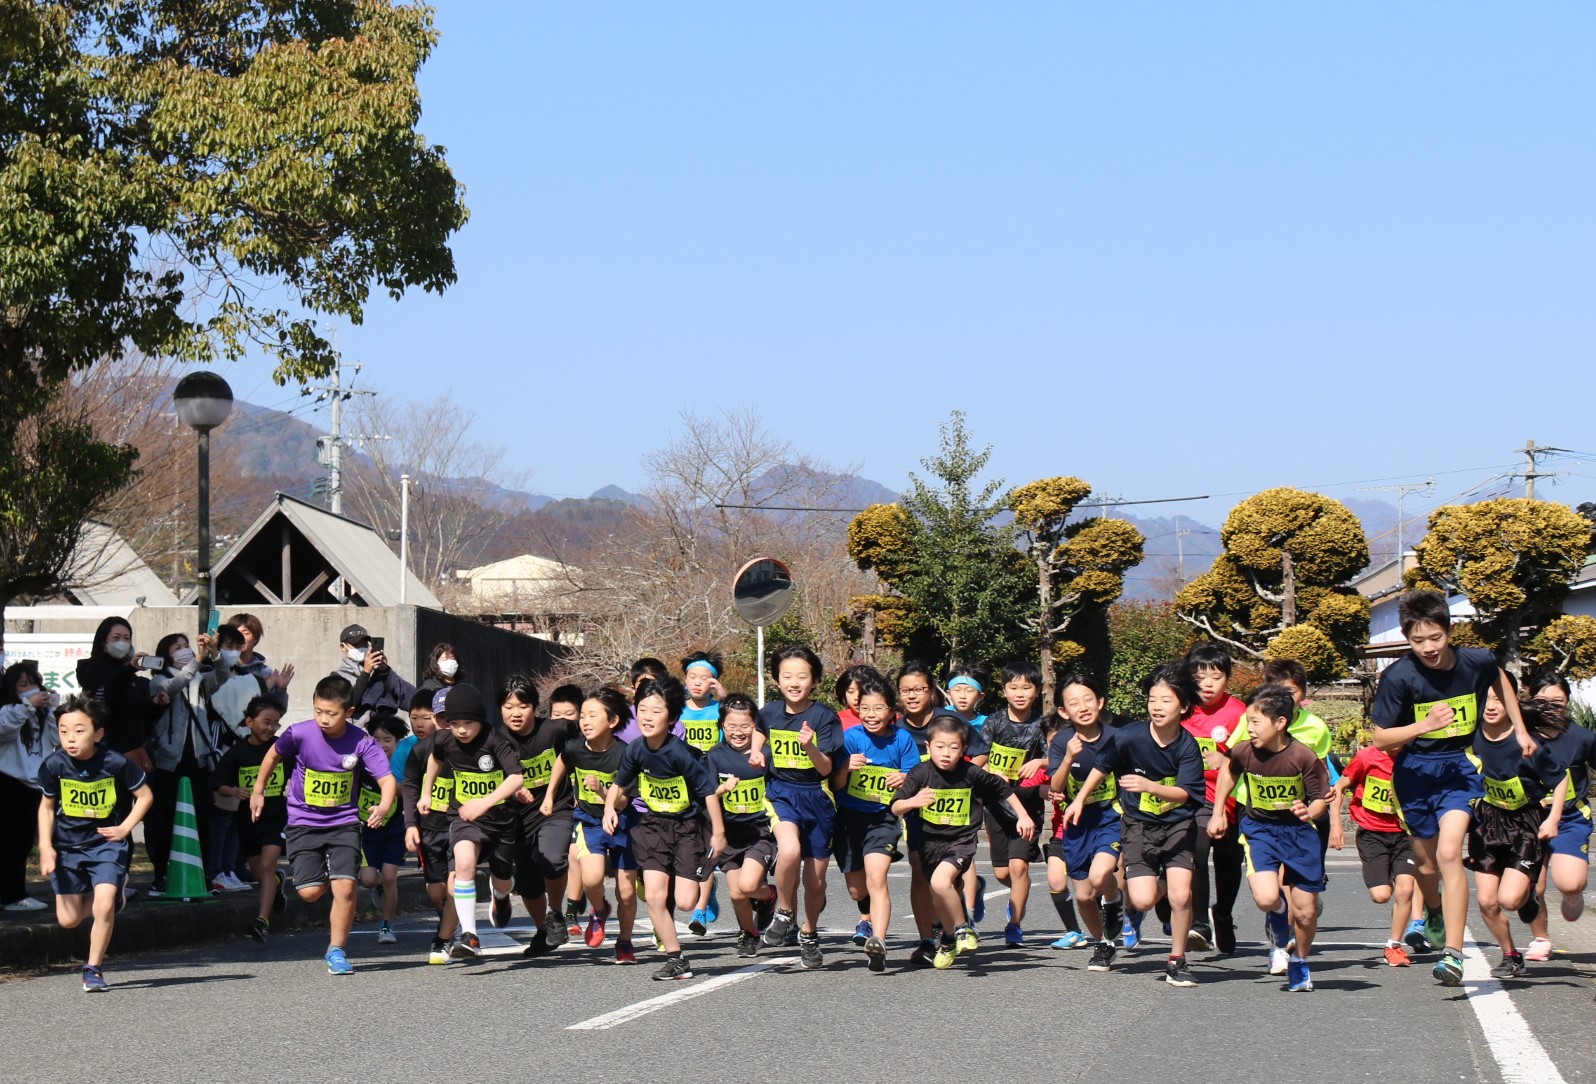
674	967
1013	936
595	925
1279	961
809	957
1177	973
94	981
259	929
876	954
1298	980
573	923
924	954
1397	956
1071	939
1511	967
466	947
537	946
438	953
1435	927
712	906
625	953
1168	932
1539	950
980	900
499	914
747	944
776	931
966	939
158	888
698	925
1225	935
279	897
862	932
764	910
1448	970
1200	937
554	932
1415	939
338	963
945	956
1531	910
1102	957
385	935
1131	931
1278	926
28	903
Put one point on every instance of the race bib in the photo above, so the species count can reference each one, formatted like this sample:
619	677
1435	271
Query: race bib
537	771
1207	745
1570	796
1106	791
324	790
869	784
593	797
668	794
247	774
786	751
442	791
702	734
371	799
1155	806
746	798
1465	716
1275	793
1378	796
950	810
1506	793
472	785
1005	760
93	800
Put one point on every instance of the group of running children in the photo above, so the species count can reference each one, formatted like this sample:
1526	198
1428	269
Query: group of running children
662	789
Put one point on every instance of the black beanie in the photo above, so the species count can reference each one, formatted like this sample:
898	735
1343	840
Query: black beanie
464	702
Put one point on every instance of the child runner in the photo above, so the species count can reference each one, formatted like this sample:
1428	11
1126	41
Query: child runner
878	757
1568	867
965	687
681	833
565	702
383	846
427	834
949	793
1425	713
323	834
1157	767
486	770
1017	750
847	694
1214	723
83	849
1384	847
750	855
592	761
805	742
1507	840
701	720
543	844
1088	849
1286	791
260	842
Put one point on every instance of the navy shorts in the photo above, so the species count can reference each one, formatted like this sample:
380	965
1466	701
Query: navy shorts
79	869
809	808
1269	847
1430	785
1084	842
1573	832
615	847
859	834
384	846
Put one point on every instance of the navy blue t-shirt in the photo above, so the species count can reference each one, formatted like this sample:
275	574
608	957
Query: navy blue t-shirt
1512	780
672	781
1408	689
88	794
744	804
788	761
1135	751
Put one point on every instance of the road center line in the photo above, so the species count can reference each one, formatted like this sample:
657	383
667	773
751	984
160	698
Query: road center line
629	1013
1518	1053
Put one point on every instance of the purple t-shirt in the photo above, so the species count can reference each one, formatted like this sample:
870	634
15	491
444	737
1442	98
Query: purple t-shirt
630	733
324	789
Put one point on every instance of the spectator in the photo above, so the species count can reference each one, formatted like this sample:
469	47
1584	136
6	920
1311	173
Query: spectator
108	674
185	747
27	736
251	661
443	669
228	687
378	689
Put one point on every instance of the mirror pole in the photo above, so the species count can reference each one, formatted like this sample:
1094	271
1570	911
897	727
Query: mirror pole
759	649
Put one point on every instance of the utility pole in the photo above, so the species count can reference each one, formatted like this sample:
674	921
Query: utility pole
330	449
1401	490
1530	451
1180	547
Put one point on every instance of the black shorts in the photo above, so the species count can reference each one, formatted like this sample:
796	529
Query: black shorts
1153	847
1503	839
434	856
668	845
1005	843
1385	856
542	852
744	842
958	853
858	834
255	836
495	845
319	855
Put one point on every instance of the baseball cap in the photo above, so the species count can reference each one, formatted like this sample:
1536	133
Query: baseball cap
353	634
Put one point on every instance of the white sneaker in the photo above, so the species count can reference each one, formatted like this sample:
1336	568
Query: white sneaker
1279	961
27	903
1539	950
226	882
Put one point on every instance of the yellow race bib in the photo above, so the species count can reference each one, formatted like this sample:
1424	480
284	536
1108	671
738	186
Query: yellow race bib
1378	796
472	785
1106	791
537	771
1506	793
869	784
1275	793
247	774
746	798
93	800
1005	760
702	734
1570	796
324	790
442	791
371	799
1465	716
593	797
667	794
950	810
1155	806
786	751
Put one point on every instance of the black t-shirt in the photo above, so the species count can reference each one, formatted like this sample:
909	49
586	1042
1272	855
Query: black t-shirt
410	789
583	762
1408	689
962	795
788	761
538	749
240	766
1512	780
1133	750
88	794
1012	744
744	804
671	780
477	769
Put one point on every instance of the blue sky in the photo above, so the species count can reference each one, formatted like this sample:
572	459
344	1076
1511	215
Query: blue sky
1170	248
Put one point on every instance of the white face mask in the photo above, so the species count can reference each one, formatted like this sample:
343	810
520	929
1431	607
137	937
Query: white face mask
119	649
229	657
357	654
448	667
182	657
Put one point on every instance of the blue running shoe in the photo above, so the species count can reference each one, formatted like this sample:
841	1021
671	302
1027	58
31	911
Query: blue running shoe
1131	931
1435	927
712	907
1279	927
1013	936
1071	939
1448	970
338	963
1298	981
863	932
1414	939
698	925
1167	931
980	900
94	981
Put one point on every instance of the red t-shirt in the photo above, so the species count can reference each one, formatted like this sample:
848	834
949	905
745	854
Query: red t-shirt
1373	801
1213	728
849	718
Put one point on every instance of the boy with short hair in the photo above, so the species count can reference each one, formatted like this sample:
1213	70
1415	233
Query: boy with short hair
260	842
950	794
1214	722
565	703
1286	791
1425	713
427	834
383	846
83	849
1017	751
323	834
1384	847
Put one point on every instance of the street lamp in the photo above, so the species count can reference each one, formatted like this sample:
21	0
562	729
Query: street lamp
203	402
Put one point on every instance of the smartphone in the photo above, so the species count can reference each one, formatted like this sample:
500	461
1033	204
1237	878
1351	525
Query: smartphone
213	622
149	662
377	643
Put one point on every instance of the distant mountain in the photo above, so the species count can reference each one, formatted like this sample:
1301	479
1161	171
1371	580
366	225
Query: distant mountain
615	493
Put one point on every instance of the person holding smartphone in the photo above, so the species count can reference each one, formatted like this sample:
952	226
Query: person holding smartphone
378	688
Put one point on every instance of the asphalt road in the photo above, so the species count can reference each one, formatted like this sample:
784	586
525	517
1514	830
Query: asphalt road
243	1011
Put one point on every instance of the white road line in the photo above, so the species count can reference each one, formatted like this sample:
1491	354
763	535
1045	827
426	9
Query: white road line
1519	1055
628	1013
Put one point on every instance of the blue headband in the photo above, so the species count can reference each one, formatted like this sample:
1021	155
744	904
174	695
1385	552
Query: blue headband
962	680
706	664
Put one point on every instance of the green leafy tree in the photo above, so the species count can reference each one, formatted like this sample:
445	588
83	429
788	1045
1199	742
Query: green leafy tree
1512	557
1080	568
1288	557
1142	636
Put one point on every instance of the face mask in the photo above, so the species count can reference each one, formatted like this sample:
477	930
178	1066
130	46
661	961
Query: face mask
119	649
448	667
229	657
357	654
182	657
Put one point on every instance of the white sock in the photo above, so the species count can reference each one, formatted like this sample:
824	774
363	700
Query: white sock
1280	905
465	905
